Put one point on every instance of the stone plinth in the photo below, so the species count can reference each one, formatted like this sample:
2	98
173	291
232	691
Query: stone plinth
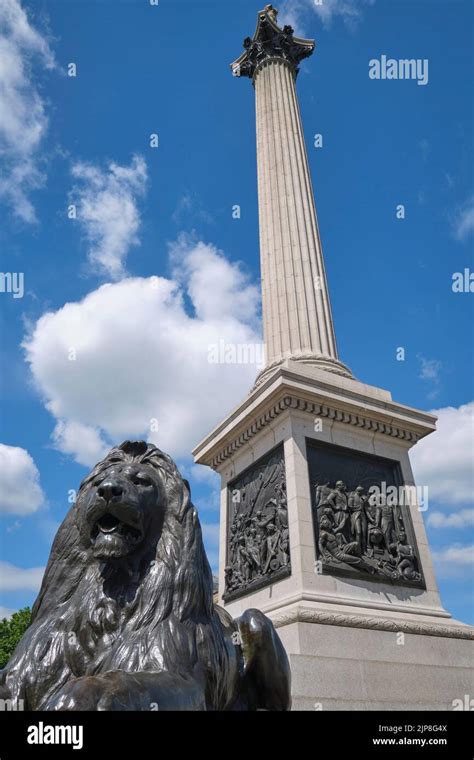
329	622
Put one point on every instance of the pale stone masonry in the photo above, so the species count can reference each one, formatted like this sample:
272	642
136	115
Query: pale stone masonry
297	319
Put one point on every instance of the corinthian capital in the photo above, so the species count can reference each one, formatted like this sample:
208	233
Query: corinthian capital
271	42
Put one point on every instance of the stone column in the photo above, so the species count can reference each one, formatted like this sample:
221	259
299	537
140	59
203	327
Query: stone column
297	319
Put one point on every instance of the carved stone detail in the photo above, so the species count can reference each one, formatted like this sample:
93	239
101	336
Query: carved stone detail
362	529
305	615
318	410
258	543
270	42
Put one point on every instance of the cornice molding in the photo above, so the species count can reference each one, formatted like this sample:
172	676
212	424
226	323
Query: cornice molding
290	401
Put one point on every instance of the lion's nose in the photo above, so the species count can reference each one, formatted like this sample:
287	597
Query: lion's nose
108	490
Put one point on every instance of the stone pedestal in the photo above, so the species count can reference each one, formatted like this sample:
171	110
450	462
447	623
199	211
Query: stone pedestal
356	639
376	662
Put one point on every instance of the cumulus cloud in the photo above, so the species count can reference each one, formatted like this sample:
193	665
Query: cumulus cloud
107	210
296	12
5	612
464	221
13	578
218	290
142	348
454	561
462	519
23	119
84	442
444	460
20	490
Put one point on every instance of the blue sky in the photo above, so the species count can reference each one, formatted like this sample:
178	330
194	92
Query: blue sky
120	304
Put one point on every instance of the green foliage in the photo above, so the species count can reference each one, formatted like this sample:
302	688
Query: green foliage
11	631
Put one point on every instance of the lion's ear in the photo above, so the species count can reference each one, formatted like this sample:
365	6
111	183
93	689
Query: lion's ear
188	487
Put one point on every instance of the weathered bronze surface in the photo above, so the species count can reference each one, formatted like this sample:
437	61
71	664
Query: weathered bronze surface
361	516
271	42
258	543
125	618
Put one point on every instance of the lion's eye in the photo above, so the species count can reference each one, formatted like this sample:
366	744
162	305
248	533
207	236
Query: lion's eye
139	480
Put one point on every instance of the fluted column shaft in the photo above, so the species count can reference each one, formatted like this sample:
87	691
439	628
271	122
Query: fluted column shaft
297	320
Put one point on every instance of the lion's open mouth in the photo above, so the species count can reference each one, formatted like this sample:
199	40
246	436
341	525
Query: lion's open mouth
108	524
113	535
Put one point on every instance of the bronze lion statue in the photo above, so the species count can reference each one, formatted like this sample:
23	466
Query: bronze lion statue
125	618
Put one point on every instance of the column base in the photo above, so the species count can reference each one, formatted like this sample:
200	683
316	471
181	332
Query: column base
318	361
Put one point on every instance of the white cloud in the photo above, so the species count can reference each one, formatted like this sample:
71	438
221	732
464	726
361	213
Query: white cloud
107	211
444	460
141	356
430	370
5	612
13	578
20	490
84	442
295	12
204	475
23	120
462	519
218	291
464	222
189	208
454	561
210	493
201	474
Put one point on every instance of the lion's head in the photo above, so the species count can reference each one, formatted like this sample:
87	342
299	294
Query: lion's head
122	504
128	585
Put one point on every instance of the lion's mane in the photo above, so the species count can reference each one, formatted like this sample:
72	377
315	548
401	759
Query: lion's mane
92	617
